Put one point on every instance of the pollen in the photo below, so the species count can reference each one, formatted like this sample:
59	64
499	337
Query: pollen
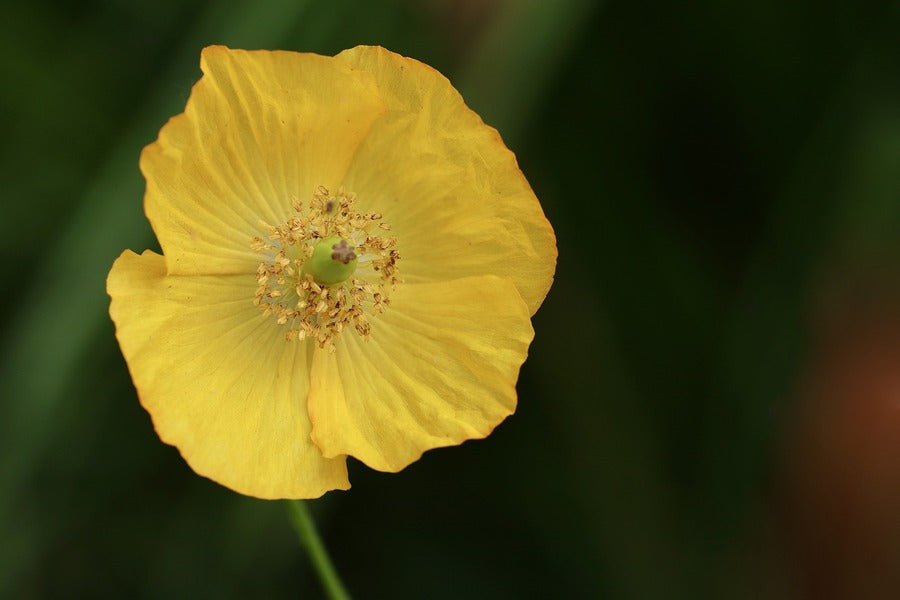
288	291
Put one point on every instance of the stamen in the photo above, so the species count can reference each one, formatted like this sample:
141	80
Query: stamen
324	271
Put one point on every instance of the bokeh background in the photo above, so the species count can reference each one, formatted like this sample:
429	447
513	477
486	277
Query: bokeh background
711	407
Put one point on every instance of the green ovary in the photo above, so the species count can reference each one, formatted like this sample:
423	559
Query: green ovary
333	261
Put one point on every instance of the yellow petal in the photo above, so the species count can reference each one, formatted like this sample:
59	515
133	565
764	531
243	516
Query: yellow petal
440	368
259	129
451	190
219	380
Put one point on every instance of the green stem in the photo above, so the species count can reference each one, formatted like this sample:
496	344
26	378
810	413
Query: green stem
318	555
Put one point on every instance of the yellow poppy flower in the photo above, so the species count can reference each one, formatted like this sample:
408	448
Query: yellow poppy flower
351	259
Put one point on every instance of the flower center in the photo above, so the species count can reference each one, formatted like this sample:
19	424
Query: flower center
325	269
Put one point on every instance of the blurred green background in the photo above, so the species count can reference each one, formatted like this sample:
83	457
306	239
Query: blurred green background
711	407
